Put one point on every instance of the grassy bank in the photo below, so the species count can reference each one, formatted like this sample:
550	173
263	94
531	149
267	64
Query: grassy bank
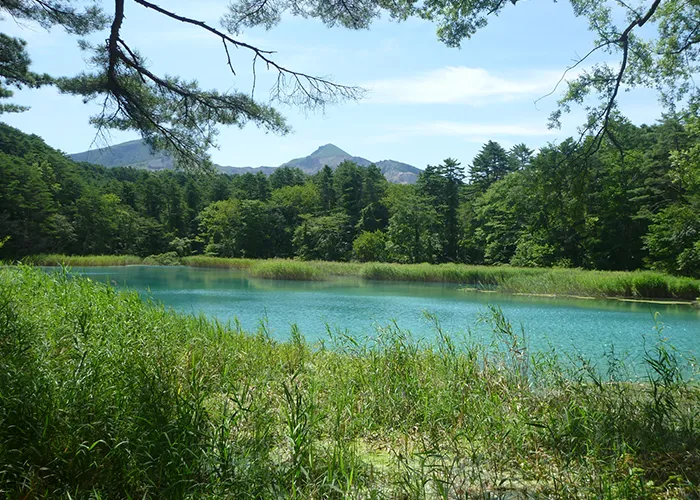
82	260
104	396
217	262
559	281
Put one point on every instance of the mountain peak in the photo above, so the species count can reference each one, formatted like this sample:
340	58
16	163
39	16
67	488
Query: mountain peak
328	151
138	154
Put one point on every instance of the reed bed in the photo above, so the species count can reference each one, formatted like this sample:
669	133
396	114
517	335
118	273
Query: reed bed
286	270
445	273
546	281
103	395
217	262
634	284
83	260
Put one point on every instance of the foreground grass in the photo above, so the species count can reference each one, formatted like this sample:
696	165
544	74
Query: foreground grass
105	396
557	281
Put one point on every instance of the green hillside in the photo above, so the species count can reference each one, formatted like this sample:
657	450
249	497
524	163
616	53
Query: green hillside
127	154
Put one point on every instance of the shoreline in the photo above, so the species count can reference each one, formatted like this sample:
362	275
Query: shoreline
641	300
625	286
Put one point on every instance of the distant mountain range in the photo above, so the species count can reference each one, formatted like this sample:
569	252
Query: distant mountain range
137	154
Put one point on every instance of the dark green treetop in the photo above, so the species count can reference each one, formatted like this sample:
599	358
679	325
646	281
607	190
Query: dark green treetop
490	165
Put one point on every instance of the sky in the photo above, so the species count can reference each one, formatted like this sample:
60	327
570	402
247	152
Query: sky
424	102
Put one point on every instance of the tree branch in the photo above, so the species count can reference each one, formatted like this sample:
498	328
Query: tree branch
112	44
313	88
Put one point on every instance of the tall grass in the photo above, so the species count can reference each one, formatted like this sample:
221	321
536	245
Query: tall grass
105	396
556	281
286	270
83	260
217	262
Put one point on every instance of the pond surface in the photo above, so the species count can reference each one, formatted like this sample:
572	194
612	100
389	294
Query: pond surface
586	327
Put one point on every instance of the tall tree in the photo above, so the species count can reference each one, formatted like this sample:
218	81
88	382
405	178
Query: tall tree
441	186
490	165
286	176
324	181
324	238
413	234
673	239
520	156
347	182
374	214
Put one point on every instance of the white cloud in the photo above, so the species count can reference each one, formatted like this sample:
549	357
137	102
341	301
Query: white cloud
473	130
461	85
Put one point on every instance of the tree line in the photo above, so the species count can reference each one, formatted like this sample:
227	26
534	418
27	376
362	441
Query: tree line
628	203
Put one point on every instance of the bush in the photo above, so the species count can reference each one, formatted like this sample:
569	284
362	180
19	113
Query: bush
163	259
673	241
532	251
370	247
324	238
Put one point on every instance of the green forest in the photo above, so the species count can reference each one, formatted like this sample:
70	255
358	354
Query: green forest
623	204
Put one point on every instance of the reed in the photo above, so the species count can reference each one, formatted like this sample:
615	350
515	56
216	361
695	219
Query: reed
83	260
217	262
103	395
634	284
548	281
286	270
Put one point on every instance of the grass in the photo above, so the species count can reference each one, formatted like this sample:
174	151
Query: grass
83	260
553	281
217	262
286	270
105	396
641	284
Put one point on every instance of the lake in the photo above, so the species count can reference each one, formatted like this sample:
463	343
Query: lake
574	326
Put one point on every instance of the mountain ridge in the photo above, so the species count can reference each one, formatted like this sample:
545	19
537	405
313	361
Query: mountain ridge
139	155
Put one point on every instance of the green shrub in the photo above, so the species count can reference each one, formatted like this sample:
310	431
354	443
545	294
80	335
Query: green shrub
163	259
370	246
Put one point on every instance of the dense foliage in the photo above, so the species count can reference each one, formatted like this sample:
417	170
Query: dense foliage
628	205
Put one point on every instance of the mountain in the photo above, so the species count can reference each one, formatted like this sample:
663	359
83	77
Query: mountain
332	155
397	172
325	155
133	154
245	170
138	154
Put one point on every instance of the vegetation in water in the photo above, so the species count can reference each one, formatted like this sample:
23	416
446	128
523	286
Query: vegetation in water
83	260
286	269
105	395
636	284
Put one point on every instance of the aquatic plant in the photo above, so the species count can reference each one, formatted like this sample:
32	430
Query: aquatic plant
528	280
82	260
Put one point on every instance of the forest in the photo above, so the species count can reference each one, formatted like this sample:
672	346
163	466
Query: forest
623	204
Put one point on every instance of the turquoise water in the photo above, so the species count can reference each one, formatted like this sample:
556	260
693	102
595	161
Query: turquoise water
586	327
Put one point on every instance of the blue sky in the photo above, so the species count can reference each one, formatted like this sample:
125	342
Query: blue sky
425	102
